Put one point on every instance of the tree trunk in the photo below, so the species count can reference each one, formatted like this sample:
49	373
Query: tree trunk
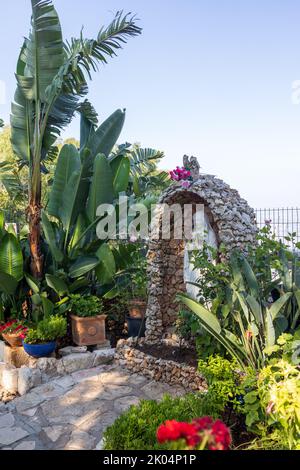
36	256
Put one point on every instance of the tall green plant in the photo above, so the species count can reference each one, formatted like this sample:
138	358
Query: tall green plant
51	79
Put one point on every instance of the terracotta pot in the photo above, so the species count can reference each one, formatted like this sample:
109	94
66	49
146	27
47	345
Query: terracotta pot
13	339
137	308
87	331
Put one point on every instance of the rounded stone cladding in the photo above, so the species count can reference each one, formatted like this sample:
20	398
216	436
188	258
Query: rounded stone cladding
233	222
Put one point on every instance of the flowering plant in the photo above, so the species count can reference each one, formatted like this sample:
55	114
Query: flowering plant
201	434
181	174
14	327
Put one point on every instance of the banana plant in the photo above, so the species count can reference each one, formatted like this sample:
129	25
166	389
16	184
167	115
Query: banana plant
257	324
11	269
51	81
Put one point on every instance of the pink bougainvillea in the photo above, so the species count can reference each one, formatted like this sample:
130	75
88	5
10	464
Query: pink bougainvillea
181	174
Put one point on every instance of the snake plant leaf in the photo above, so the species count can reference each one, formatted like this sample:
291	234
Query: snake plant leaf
82	266
106	269
11	257
121	169
57	284
51	239
8	284
101	190
68	163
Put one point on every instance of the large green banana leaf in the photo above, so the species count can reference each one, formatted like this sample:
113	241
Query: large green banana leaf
8	284
11	257
106	136
106	270
121	169
51	239
68	163
83	265
101	190
57	284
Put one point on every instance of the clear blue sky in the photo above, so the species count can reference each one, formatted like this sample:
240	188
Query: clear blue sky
212	78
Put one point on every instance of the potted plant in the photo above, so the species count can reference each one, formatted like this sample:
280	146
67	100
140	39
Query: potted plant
41	341
87	320
12	332
137	301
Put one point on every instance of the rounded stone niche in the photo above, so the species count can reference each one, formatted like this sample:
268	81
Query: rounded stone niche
228	220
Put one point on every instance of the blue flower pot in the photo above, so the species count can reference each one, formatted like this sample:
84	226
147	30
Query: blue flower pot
39	350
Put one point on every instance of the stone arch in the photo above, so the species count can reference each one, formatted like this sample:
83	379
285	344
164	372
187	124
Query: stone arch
233	221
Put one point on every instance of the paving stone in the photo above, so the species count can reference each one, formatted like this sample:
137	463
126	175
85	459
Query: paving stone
64	382
80	441
54	432
7	420
156	390
91	374
76	361
28	401
27	379
12	434
49	390
114	378
26	445
122	404
29	413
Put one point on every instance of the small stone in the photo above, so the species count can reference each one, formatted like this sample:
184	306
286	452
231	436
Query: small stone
12	434
7	420
54	432
80	441
72	350
26	445
76	361
28	378
10	379
122	404
103	356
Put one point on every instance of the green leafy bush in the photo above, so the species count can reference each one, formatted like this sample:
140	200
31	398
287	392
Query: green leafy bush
85	306
224	382
136	428
49	329
272	404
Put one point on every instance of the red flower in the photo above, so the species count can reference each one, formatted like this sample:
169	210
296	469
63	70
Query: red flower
173	430
203	423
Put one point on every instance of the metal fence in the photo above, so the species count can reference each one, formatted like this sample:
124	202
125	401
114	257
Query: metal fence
283	221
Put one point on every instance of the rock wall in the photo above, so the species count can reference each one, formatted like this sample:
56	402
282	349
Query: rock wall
170	372
233	221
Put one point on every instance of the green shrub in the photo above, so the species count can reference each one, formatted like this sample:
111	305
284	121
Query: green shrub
85	306
272	405
136	428
224	382
49	329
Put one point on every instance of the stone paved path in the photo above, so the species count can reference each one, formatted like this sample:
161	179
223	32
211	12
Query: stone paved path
72	412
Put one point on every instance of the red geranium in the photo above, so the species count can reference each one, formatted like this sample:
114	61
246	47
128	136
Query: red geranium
202	433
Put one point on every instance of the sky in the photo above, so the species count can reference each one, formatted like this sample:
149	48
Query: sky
217	79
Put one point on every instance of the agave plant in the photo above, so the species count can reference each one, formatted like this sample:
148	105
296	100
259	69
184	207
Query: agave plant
51	81
256	323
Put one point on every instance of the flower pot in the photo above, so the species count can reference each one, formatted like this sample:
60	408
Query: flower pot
40	350
87	331
137	308
136	327
13	339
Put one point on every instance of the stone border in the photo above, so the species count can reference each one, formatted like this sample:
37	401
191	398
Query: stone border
39	371
170	372
234	223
